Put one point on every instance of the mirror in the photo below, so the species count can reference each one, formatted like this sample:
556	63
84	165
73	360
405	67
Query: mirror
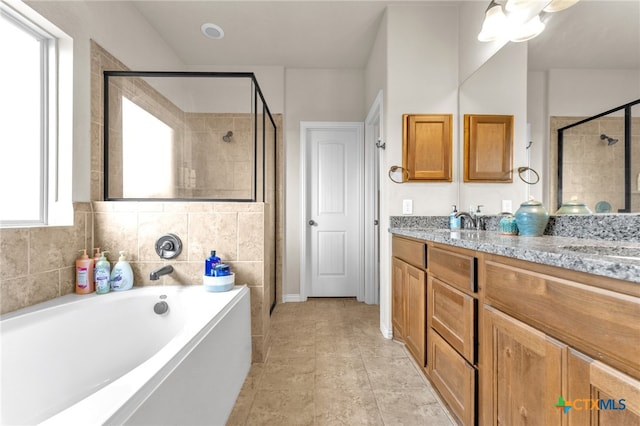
586	62
498	87
185	135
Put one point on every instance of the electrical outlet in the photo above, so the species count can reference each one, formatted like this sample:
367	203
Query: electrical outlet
507	206
407	206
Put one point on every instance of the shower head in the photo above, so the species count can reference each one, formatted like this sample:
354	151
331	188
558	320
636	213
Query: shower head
227	137
610	141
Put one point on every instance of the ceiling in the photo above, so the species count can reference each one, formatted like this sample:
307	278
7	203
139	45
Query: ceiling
340	34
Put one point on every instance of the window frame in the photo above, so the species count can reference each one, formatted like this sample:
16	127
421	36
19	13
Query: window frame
56	117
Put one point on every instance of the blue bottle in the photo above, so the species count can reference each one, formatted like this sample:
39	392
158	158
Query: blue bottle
210	263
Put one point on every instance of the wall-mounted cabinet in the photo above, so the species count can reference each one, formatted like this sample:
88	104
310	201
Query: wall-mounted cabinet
427	147
488	148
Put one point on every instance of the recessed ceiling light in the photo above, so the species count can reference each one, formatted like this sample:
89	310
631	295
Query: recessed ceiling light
212	31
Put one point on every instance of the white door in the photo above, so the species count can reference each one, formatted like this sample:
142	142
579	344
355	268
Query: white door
333	248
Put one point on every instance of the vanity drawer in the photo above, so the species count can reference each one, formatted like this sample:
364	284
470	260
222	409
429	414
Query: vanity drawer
454	268
601	323
412	252
453	377
452	316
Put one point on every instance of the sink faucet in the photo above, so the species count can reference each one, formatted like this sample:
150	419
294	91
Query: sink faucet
476	220
155	275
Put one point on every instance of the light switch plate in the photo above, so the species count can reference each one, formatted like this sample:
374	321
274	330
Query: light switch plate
407	206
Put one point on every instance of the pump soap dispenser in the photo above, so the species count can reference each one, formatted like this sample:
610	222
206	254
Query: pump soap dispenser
84	273
122	275
103	270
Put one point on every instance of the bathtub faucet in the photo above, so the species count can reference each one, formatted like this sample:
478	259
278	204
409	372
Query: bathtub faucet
155	275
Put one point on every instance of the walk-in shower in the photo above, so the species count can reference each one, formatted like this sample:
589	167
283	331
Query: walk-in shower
204	136
593	167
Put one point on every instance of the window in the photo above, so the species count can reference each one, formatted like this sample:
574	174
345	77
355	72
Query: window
35	120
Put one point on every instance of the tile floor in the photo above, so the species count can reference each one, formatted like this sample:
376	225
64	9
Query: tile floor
328	364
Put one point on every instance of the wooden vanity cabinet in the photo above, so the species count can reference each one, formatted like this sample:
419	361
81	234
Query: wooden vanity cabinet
409	294
549	333
452	302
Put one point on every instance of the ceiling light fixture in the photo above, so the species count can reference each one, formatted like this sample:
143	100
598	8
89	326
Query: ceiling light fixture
558	5
212	31
528	30
494	22
518	20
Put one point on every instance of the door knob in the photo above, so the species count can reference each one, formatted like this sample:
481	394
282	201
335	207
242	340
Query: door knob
313	222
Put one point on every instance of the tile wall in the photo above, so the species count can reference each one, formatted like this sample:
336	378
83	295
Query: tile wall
38	264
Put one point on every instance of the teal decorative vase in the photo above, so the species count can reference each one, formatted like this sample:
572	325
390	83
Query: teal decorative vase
532	218
508	225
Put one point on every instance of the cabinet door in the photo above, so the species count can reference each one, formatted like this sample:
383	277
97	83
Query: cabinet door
427	146
522	373
599	394
398	294
416	318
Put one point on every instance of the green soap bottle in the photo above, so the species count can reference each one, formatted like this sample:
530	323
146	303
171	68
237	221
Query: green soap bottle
103	274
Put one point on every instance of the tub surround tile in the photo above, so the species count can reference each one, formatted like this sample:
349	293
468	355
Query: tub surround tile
14	252
14	294
152	226
67	280
43	286
250	236
117	231
213	231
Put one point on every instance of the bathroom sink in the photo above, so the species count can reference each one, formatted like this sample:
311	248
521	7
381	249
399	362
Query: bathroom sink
608	251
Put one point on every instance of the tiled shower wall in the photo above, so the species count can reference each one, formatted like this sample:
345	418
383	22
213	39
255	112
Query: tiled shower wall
594	171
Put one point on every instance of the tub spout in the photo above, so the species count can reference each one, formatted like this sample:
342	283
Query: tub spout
155	275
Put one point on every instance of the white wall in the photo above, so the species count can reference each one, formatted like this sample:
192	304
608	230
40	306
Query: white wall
589	92
375	72
311	95
422	63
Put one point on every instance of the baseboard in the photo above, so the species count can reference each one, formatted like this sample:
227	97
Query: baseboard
293	298
386	333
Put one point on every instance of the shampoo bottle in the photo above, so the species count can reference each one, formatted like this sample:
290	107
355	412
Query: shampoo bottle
84	274
103	272
455	223
122	275
210	263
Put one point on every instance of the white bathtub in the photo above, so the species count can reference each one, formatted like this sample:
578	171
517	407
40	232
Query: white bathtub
110	359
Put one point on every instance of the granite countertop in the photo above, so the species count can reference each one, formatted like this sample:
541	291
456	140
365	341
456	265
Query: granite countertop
612	259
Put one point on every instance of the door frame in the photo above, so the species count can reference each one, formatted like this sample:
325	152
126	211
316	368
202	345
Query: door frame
305	127
371	191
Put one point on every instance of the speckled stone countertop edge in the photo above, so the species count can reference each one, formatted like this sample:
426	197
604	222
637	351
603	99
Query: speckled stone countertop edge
546	250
